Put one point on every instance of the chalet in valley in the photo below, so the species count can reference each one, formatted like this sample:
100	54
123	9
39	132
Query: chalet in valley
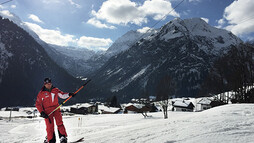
182	105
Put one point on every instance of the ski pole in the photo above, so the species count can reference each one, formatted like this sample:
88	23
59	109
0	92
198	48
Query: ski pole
69	97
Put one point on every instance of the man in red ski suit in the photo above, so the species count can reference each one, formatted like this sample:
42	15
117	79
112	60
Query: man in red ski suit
47	101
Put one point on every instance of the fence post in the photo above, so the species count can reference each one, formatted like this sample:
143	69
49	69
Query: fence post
10	114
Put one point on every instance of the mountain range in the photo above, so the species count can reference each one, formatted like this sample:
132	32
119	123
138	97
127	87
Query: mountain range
184	50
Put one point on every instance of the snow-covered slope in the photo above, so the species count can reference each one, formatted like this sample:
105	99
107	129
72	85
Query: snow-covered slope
210	39
230	123
122	44
77	53
15	19
126	41
74	60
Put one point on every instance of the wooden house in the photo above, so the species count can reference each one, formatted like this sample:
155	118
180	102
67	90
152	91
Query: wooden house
11	109
136	108
85	108
182	105
132	107
108	110
204	104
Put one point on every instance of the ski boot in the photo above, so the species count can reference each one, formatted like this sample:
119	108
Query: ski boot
63	139
46	140
53	140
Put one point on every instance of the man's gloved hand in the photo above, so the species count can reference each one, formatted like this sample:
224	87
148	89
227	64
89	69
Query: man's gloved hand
72	94
44	115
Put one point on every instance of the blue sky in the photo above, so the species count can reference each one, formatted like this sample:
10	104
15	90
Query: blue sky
96	24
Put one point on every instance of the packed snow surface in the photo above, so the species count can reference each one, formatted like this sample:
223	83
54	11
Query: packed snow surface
232	123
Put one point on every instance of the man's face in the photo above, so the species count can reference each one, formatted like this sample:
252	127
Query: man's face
48	85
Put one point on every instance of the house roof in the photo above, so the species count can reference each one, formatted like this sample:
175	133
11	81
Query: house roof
182	103
205	101
108	109
139	106
86	105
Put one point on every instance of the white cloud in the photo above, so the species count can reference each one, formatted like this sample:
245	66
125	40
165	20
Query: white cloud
220	22
51	36
35	18
126	11
144	30
75	4
240	18
58	38
97	23
1	7
120	12
13	6
6	13
89	42
205	19
158	8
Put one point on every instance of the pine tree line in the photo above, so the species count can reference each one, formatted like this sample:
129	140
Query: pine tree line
232	72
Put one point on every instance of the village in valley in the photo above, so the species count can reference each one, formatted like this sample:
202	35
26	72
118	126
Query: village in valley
140	120
136	106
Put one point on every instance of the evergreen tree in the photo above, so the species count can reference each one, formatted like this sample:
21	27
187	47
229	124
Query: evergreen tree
113	102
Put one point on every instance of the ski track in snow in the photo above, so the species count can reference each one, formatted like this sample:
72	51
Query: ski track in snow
229	123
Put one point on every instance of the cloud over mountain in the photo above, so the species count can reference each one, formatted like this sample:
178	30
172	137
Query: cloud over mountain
129	12
238	17
56	37
35	18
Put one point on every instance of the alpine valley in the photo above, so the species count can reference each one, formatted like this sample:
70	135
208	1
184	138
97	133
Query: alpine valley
184	50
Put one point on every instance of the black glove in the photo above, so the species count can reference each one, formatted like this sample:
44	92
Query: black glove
72	94
44	115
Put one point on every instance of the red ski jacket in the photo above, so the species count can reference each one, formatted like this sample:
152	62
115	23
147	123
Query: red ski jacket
46	100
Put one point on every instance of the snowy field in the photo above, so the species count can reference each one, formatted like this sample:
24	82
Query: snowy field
224	124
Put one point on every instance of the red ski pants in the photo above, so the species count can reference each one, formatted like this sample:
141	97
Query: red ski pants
59	122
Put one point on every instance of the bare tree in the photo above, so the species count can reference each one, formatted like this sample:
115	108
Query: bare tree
144	99
165	90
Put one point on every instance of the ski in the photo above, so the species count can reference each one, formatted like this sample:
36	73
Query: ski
77	141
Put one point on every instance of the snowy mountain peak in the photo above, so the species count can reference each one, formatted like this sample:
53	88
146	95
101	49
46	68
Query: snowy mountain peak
126	41
190	25
210	39
74	52
11	16
5	14
197	27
